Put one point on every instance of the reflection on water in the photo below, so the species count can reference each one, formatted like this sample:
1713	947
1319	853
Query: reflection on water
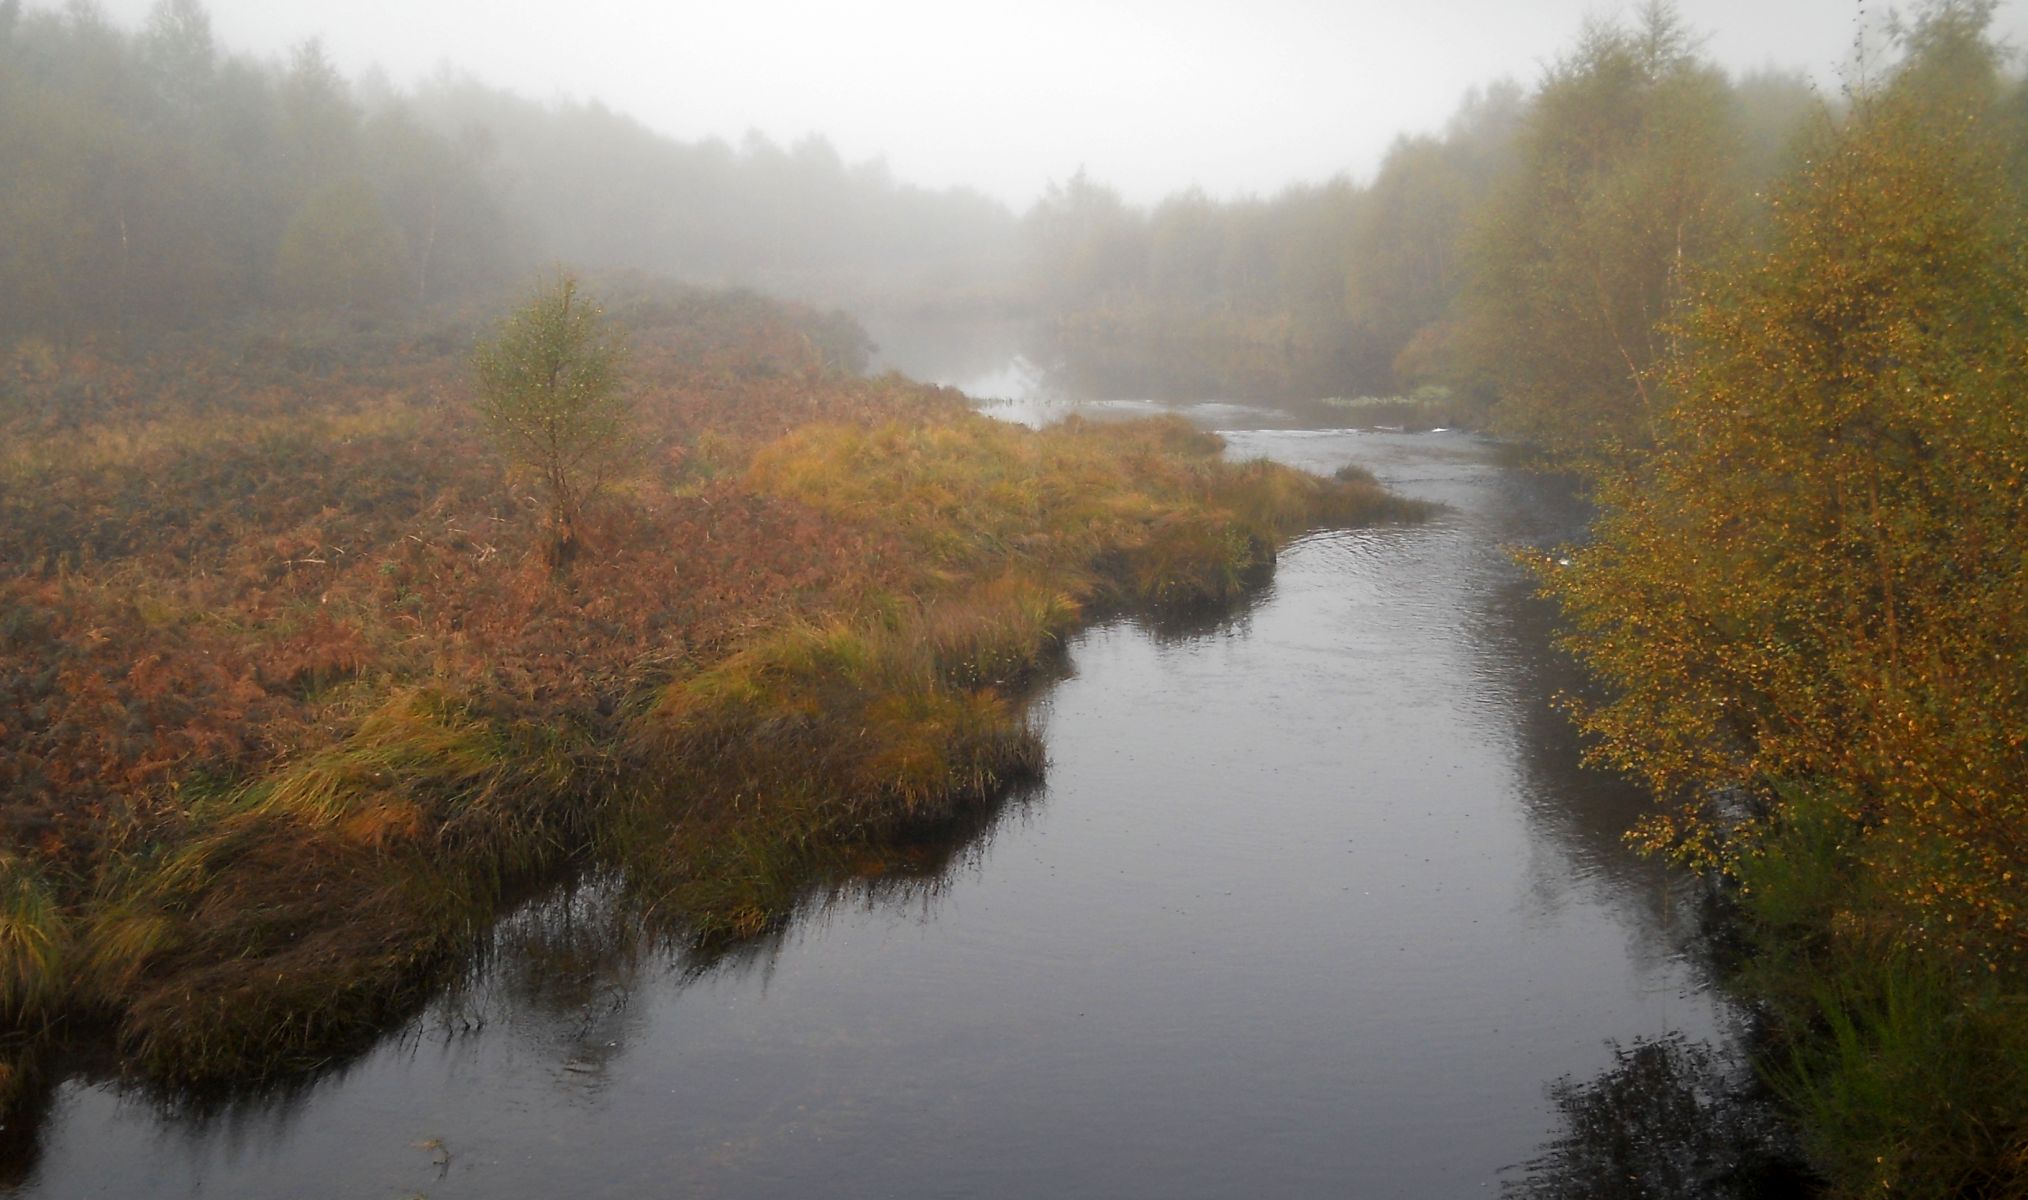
1669	1120
1313	901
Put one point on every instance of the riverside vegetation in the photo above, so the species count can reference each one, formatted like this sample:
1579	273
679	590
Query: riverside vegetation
299	694
1806	590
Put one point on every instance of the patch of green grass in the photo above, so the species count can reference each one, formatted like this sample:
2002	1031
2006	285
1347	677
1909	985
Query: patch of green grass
1907	1070
35	943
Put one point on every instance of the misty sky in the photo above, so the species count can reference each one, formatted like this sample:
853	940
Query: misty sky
1152	97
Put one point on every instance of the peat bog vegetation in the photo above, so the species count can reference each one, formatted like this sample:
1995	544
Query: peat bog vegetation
299	695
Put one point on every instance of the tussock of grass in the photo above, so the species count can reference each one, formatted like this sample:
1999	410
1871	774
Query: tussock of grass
1141	512
422	770
861	713
299	948
35	940
295	915
1000	631
1190	560
414	742
819	737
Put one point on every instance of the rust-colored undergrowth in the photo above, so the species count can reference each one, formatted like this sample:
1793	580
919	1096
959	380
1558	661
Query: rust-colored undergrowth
293	700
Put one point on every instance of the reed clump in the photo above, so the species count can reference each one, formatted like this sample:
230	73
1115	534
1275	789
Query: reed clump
1136	513
35	940
821	736
864	710
290	917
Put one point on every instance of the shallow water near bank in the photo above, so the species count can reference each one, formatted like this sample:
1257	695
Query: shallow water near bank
1314	900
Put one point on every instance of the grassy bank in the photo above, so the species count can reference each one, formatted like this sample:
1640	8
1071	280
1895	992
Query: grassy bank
294	701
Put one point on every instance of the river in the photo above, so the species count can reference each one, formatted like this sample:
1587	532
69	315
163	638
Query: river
1314	900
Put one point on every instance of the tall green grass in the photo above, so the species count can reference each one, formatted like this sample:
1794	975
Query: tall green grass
1142	513
1907	1069
825	735
291	917
35	943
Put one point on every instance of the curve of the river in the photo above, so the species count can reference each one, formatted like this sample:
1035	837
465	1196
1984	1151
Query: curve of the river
1314	900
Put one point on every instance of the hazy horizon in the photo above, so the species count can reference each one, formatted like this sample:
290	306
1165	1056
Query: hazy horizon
1150	99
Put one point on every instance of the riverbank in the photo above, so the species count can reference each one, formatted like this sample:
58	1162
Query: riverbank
1309	885
296	703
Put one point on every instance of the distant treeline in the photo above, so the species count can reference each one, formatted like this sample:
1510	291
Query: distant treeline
1345	288
1522	260
156	180
153	180
1318	290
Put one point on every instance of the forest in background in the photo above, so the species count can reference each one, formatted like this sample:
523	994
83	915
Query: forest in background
165	183
158	182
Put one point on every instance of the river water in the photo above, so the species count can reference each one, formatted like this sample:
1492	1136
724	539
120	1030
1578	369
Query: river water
1314	900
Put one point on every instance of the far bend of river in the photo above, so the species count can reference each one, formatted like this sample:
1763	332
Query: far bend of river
1314	901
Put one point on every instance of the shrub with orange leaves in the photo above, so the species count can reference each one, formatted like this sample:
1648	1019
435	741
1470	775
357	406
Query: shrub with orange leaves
1819	577
1811	604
